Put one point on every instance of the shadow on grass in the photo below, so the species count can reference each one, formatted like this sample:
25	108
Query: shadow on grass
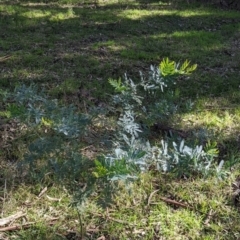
106	41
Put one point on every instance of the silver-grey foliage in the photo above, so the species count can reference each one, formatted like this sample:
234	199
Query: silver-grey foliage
150	101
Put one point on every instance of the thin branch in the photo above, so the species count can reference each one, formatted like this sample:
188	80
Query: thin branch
150	197
4	195
5	221
17	227
26	225
5	58
42	192
167	200
209	217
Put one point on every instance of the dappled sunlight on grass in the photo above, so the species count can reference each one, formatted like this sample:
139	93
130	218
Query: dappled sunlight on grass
63	16
205	12
8	9
113	46
48	14
194	13
32	12
141	14
196	38
199	39
36	14
71	48
223	123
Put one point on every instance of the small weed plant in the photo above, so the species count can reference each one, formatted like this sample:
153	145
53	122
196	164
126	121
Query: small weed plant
57	132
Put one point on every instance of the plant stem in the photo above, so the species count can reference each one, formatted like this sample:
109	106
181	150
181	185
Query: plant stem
80	224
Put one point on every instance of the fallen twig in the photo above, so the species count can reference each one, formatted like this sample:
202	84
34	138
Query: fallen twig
209	217
180	204
150	197
25	226
5	221
4	58
42	192
53	199
167	200
17	227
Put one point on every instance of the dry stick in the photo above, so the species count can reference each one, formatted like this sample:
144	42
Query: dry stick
42	192
167	200
150	197
209	217
16	227
24	226
53	199
149	202
4	194
4	58
11	218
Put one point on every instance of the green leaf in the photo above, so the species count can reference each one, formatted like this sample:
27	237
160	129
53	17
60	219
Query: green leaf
167	67
118	85
186	68
211	149
100	170
15	111
46	122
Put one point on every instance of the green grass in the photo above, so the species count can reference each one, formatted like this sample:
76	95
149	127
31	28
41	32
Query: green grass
63	45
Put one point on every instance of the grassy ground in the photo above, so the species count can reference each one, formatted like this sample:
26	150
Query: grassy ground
71	48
